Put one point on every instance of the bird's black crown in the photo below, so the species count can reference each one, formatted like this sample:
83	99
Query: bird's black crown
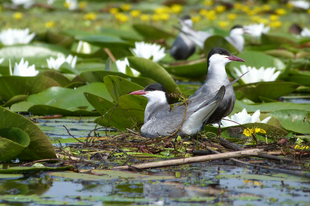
155	87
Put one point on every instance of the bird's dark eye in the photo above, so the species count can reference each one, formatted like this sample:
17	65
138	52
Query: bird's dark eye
221	52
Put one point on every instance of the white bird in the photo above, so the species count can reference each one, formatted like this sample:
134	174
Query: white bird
161	120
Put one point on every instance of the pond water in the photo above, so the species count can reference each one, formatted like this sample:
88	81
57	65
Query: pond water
197	184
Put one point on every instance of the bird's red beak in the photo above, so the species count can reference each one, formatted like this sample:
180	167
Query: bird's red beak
235	58
138	92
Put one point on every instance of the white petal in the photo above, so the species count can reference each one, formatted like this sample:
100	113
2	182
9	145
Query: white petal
265	120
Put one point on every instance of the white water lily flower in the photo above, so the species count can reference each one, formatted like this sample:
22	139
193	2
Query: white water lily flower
16	36
121	66
72	4
56	63
302	4
257	75
83	47
256	30
1	60
50	2
147	51
25	3
22	69
305	32
242	118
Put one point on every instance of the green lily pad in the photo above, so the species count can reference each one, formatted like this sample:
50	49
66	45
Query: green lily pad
118	86
11	86
10	176
271	90
40	147
193	69
280	53
104	41
12	142
59	39
18	169
57	76
152	70
218	41
279	39
58	100
98	76
254	59
272	106
129	111
35	53
151	33
294	120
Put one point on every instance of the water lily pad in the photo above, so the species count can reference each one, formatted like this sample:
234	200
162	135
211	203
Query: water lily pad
118	86
57	76
11	86
218	41
40	147
98	76
12	142
279	39
271	90
127	113
280	53
294	120
193	69
254	59
58	100
18	169
35	53
151	33
154	71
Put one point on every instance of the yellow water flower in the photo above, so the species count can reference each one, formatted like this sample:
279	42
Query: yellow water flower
238	6
125	7
273	17
220	9
121	17
145	17
289	5
195	18
248	132
257	9
203	12
275	24
18	15
135	13
208	2
245	9
0	7
266	7
155	17
308	11
176	8
223	24
82	4
263	20
251	13
255	18
164	16
211	16
113	10
90	16
50	24
280	11
231	16
162	9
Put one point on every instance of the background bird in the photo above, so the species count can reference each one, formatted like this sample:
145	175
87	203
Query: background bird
216	77
183	47
161	120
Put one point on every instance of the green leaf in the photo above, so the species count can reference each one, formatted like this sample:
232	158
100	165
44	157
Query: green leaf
11	86
118	86
193	69
152	33
218	41
12	142
58	100
152	70
280	53
35	53
57	76
98	76
271	90
272	106
40	147
15	99
128	113
279	39
258	60
105	41
294	120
